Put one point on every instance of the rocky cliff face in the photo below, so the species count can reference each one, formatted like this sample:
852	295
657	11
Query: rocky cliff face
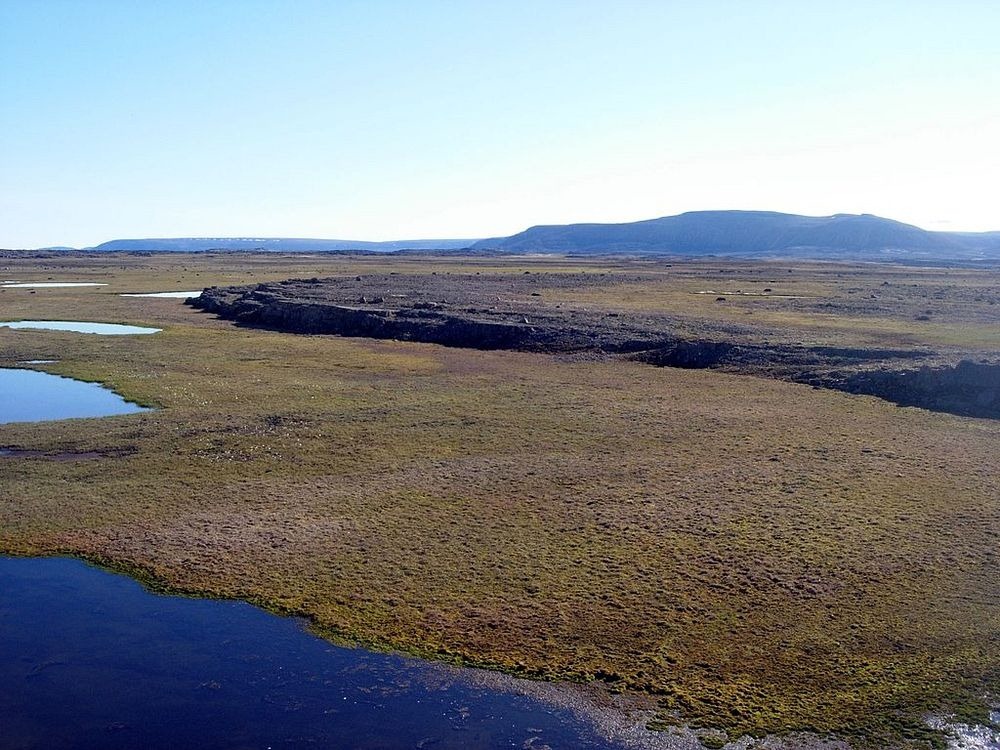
968	388
429	323
492	313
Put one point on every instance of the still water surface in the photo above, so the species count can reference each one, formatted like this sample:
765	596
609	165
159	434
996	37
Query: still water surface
47	284
165	295
89	659
32	396
79	326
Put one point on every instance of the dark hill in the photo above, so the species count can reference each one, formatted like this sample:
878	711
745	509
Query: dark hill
756	234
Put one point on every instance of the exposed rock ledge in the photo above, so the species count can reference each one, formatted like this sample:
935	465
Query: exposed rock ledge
499	312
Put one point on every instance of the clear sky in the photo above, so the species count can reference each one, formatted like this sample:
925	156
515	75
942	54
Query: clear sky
387	120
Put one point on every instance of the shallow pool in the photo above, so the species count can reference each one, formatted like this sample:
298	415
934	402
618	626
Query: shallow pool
79	326
47	284
91	659
32	396
164	295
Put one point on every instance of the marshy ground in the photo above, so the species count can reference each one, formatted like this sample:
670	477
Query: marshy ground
758	555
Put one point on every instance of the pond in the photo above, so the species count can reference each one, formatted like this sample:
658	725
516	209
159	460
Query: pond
164	295
91	659
32	396
47	284
79	326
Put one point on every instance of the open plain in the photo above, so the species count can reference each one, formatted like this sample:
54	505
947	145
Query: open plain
759	556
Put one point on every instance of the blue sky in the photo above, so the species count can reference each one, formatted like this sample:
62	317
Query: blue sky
386	120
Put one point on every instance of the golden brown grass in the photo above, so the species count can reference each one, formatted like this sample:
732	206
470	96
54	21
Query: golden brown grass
760	555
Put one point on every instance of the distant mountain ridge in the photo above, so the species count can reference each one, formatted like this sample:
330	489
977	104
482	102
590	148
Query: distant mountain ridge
756	234
273	244
742	234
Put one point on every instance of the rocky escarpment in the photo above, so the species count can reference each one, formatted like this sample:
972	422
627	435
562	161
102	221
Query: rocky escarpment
967	388
479	312
421	323
504	312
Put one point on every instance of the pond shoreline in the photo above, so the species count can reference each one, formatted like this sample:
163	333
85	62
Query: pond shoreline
31	395
617	719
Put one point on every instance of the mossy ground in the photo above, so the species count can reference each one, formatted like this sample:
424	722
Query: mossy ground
760	555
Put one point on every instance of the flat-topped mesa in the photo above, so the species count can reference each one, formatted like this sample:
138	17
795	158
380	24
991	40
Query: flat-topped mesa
508	311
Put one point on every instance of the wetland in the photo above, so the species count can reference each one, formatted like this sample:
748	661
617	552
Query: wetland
753	555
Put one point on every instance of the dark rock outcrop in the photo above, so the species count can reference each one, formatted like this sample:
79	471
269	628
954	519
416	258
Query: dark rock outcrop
502	312
971	389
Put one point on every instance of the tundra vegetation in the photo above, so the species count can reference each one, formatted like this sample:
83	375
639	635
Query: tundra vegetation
757	555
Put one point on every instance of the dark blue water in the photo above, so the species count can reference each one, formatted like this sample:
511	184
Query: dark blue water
89	659
31	396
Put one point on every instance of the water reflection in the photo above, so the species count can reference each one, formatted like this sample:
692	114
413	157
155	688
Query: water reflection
32	396
79	326
47	284
164	295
